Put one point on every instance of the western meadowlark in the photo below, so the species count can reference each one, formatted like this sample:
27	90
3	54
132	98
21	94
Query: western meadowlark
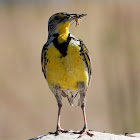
66	65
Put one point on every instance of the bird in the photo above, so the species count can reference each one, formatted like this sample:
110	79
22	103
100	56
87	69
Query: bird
66	65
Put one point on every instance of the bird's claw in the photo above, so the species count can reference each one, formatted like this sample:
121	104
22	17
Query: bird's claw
84	132
59	131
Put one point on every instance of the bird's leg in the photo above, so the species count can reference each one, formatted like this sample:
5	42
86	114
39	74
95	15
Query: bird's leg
58	117
58	127
85	129
82	98
57	93
84	116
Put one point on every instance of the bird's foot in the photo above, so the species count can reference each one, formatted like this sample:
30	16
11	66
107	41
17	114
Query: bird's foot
84	132
59	131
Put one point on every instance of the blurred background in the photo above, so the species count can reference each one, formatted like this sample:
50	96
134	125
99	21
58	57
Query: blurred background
111	31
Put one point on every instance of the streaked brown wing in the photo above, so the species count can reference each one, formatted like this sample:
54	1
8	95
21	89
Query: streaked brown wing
86	57
44	59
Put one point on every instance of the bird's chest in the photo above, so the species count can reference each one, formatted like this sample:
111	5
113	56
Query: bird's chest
65	70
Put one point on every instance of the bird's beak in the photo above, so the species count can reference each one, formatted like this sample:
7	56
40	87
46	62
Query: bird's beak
75	16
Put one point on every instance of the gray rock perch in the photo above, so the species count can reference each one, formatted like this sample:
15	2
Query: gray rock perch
97	136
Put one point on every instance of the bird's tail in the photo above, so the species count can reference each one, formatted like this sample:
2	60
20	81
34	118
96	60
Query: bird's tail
74	99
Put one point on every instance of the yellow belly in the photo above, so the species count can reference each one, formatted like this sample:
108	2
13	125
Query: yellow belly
66	71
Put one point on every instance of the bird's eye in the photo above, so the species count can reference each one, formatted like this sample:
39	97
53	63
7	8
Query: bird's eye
56	18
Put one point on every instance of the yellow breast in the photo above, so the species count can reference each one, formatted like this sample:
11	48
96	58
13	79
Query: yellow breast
66	71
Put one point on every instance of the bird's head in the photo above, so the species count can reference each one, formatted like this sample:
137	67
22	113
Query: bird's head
60	22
